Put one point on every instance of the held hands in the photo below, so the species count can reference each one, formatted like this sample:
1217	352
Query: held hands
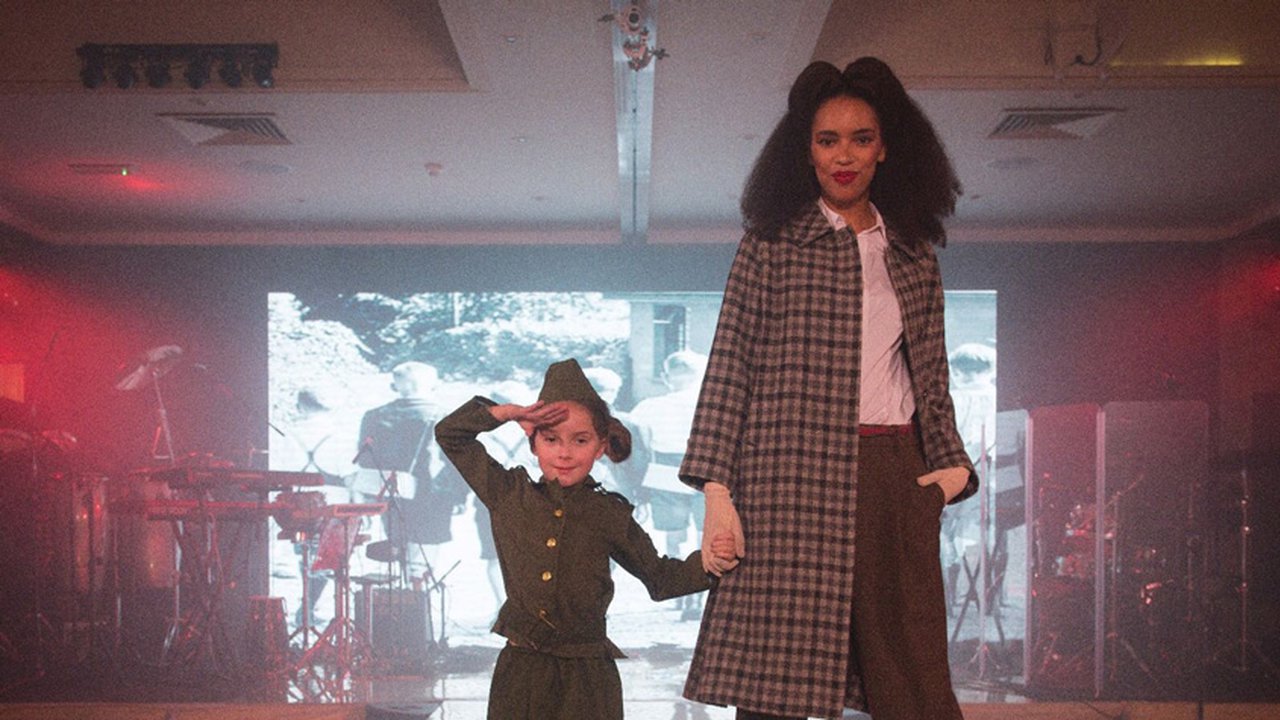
722	541
530	417
950	480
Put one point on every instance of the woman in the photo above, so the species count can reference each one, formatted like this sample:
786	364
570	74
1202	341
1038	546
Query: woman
824	421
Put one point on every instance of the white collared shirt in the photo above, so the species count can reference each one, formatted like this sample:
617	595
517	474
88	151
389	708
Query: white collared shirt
884	387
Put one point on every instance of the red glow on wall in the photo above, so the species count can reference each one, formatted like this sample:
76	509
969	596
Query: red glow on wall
1271	277
141	184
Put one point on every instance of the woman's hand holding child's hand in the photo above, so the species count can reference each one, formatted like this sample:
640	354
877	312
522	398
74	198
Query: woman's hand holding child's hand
722	524
725	549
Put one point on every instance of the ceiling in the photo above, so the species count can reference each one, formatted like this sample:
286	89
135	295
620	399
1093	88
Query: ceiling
503	122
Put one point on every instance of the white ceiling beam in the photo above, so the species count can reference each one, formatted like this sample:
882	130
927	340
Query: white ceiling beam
633	90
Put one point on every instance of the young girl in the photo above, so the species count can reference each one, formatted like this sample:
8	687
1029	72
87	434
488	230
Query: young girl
555	538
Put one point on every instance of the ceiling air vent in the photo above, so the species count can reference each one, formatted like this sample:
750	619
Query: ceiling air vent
1051	123
228	128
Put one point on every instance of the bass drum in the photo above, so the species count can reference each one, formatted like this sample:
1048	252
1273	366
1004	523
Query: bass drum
146	550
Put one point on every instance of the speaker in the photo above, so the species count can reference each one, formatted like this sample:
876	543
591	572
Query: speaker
398	625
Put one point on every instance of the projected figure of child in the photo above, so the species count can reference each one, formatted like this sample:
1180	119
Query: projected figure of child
555	538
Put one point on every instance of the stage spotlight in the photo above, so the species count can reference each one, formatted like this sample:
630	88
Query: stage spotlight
261	72
123	64
93	66
158	74
197	72
124	75
230	73
93	75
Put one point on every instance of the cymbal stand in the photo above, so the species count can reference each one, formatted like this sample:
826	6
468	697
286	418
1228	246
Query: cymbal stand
434	583
303	540
1114	641
163	436
324	671
1244	649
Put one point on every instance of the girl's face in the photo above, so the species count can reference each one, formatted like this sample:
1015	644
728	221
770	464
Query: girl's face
844	148
567	450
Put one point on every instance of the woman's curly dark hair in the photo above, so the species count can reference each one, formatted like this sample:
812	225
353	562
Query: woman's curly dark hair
914	188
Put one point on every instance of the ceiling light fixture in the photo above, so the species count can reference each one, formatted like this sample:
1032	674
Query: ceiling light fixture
197	72
230	73
260	71
158	74
93	70
633	23
125	76
157	63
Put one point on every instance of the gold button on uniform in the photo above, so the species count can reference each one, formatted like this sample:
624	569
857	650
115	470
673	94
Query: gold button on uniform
551	542
546	576
559	512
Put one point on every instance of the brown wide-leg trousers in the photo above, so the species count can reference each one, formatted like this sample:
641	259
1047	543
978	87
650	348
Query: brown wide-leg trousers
899	610
899	638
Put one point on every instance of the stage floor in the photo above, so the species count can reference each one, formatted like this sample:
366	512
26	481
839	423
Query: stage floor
635	711
651	679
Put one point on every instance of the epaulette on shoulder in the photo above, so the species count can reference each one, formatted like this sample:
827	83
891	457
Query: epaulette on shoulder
615	496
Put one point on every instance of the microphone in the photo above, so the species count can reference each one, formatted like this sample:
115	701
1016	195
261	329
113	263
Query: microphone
365	447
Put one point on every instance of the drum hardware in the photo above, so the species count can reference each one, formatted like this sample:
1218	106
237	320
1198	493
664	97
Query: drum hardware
981	578
325	668
394	550
1063	605
267	643
54	596
1116	652
1243	654
198	635
146	370
177	543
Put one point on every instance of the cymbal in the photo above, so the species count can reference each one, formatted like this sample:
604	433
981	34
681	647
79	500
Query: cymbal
150	365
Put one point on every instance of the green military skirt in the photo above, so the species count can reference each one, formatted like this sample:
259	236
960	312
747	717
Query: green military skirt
530	685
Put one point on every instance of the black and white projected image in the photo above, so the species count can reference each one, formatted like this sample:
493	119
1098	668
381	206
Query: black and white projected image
347	372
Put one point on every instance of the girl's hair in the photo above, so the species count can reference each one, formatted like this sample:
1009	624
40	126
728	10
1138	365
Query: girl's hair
914	188
617	438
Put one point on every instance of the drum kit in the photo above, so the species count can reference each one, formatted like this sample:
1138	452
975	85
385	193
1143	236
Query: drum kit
143	570
1125	604
1141	604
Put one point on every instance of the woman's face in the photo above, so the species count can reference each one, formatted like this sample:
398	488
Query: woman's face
567	450
845	147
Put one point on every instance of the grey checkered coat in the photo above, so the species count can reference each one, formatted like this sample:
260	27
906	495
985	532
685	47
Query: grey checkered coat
777	423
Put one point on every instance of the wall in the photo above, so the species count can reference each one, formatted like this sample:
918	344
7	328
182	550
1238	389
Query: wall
1077	322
